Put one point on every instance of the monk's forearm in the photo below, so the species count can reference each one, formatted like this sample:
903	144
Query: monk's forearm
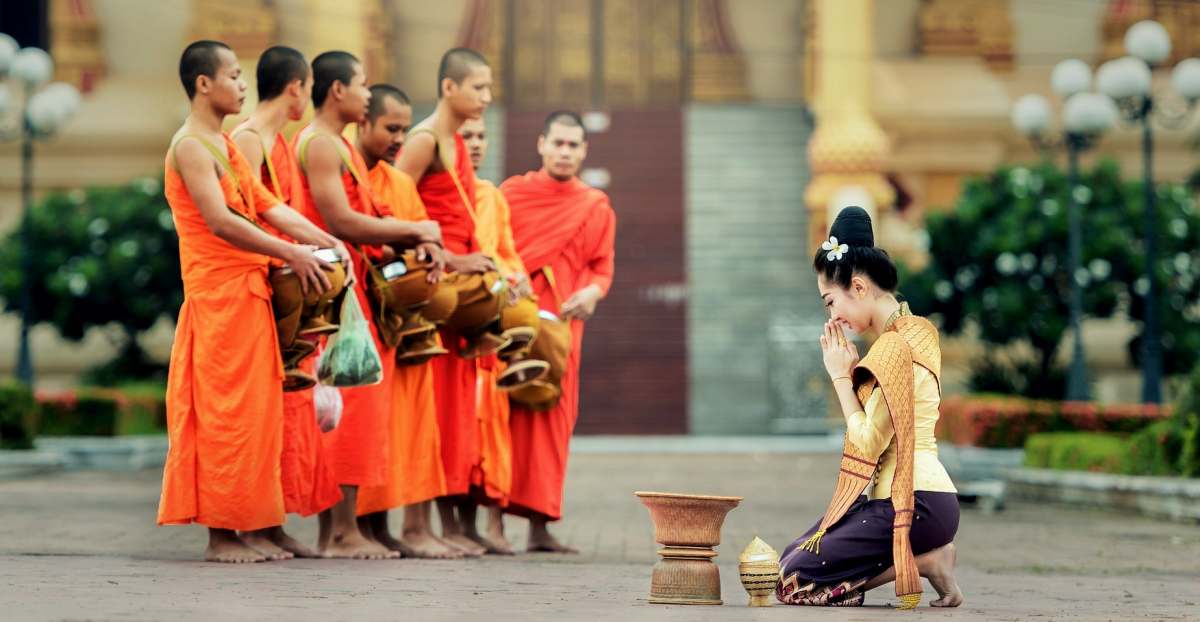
248	237
362	229
291	223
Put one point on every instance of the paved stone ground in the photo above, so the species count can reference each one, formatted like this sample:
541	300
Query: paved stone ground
83	545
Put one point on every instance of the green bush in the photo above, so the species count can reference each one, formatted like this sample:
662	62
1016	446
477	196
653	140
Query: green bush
1076	451
1155	450
133	409
106	258
84	415
1011	280
18	416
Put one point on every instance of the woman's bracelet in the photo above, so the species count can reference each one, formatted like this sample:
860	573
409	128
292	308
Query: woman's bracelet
843	378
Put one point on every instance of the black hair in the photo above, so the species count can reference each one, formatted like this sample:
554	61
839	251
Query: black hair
199	59
330	67
563	117
380	92
278	67
457	64
852	227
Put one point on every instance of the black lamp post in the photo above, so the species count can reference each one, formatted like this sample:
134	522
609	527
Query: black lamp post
1128	81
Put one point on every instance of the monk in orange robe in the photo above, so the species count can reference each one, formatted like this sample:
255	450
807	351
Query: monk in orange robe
560	223
435	156
338	198
225	384
415	476
494	233
284	90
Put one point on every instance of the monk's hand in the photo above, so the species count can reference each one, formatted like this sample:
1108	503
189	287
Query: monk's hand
475	263
839	353
308	267
435	255
521	288
582	304
347	262
429	232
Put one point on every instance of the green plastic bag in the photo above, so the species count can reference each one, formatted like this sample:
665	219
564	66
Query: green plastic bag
350	358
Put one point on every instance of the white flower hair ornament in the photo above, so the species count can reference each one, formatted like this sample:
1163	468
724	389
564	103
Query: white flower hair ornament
835	250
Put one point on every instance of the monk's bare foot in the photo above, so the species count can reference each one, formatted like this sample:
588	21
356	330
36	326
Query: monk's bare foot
352	545
224	546
469	547
542	541
941	577
424	545
261	541
291	545
549	544
497	544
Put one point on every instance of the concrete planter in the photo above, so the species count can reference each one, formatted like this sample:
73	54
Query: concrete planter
118	453
1175	498
16	464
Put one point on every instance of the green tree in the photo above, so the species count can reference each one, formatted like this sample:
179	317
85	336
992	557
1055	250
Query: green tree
999	262
104	257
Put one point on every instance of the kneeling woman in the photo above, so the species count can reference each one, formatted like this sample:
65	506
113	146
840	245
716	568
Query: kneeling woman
904	529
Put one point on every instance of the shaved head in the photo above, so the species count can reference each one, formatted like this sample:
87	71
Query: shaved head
380	94
330	67
278	67
563	117
457	64
201	58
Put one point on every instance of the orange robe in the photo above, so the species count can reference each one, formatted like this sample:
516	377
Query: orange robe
309	485
453	376
415	472
224	387
571	228
358	447
494	233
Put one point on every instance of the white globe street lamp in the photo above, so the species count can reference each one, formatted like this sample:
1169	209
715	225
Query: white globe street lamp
8	52
1071	76
1128	82
1149	41
33	66
36	114
1086	116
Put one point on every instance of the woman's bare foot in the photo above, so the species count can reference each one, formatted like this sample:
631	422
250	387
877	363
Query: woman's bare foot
260	541
352	545
291	545
424	545
940	572
224	546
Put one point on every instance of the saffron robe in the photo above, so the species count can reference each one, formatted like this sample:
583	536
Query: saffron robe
358	447
415	470
494	233
225	383
569	227
454	378
308	482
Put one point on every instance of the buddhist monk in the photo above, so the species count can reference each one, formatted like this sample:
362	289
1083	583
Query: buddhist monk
338	198
415	476
494	233
225	384
436	157
564	231
284	90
